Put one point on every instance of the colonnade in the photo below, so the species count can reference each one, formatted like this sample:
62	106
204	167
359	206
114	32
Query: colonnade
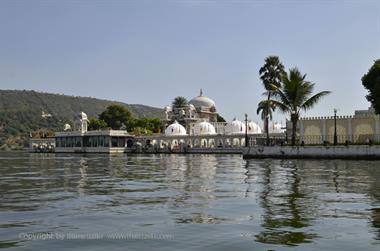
200	141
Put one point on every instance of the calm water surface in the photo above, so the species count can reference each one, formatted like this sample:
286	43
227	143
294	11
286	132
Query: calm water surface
187	202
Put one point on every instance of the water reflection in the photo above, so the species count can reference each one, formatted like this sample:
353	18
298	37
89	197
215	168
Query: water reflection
83	176
374	191
284	206
195	178
200	219
375	214
9	244
203	199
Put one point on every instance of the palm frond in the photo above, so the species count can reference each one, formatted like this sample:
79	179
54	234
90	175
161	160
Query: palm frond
295	92
270	73
313	100
280	96
282	107
266	107
179	102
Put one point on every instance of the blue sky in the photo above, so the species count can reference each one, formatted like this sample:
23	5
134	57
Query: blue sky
148	52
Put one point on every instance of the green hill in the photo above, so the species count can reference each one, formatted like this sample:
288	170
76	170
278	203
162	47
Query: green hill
21	113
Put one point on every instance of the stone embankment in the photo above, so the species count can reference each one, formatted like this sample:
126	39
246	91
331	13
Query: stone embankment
314	152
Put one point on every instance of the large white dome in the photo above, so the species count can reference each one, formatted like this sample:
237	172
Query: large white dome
253	128
175	129
235	127
204	128
202	101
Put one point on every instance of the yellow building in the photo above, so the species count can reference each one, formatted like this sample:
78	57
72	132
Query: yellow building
362	127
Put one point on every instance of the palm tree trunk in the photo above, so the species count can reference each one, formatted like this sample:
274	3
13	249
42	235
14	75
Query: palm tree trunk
267	121
294	131
294	119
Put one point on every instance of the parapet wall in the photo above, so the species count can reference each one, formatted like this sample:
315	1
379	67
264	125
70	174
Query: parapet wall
357	115
331	117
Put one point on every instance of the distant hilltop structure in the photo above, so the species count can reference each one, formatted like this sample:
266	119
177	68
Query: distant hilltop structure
46	115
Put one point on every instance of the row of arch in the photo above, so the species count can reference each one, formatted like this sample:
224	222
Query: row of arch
356	130
195	142
347	130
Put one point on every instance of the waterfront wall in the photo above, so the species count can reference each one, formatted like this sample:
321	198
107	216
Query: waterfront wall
317	152
232	150
89	150
195	150
359	128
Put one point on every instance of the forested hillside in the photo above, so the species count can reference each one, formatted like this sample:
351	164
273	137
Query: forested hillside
21	113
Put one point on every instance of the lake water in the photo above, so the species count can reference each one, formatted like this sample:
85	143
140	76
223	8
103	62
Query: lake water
187	202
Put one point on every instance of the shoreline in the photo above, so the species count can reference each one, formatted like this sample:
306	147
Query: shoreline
351	152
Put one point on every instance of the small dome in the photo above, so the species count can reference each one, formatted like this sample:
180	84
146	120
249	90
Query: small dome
253	128
204	128
192	107
168	109
202	101
276	128
175	129
235	127
67	127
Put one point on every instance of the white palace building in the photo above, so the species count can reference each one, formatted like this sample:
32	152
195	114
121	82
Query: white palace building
193	126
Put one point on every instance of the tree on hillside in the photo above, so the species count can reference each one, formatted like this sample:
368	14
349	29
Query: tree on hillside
179	102
116	116
371	81
294	95
151	124
270	74
96	124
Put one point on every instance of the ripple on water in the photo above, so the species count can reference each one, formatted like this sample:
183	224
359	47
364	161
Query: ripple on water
207	202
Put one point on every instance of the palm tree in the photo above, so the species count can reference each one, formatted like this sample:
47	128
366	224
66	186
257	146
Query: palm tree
266	108
179	102
294	95
270	74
